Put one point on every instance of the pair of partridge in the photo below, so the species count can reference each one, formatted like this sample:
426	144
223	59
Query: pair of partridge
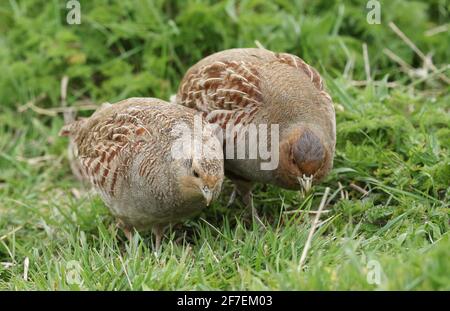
239	88
125	150
128	152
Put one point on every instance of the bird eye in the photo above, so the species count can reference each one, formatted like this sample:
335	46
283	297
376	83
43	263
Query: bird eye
196	175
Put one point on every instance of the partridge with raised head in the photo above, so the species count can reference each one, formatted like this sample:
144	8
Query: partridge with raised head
239	88
131	152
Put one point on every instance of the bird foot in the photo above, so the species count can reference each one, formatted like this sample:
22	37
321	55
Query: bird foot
129	234
232	197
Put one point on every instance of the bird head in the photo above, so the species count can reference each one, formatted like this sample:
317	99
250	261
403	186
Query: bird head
304	158
294	100
202	178
202	169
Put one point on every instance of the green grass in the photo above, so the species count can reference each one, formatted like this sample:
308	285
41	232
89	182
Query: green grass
393	142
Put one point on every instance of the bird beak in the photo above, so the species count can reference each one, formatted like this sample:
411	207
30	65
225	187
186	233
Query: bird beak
207	194
305	183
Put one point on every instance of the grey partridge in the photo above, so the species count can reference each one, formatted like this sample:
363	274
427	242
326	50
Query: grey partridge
130	153
239	88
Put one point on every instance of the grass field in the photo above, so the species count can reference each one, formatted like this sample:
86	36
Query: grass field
386	224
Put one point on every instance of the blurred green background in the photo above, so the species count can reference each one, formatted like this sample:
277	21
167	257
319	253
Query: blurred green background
142	48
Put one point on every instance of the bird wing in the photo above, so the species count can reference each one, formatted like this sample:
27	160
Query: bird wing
226	86
105	143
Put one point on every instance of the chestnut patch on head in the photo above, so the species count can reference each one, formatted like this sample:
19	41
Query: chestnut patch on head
308	153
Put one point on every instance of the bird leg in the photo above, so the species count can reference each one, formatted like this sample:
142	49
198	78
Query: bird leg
128	231
232	196
244	189
158	231
247	198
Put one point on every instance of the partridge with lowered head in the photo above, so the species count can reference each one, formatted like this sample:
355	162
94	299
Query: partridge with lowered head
126	152
238	88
